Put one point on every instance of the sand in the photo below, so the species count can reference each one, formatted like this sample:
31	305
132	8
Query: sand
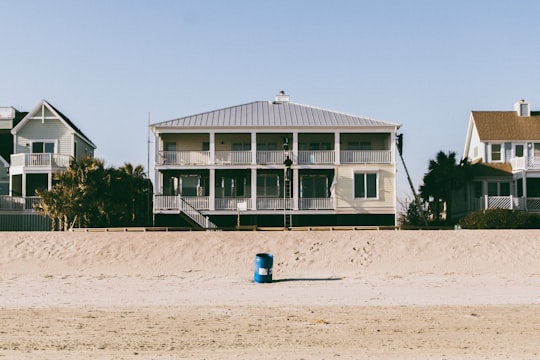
335	295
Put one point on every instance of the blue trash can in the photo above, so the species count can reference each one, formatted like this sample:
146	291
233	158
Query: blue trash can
263	268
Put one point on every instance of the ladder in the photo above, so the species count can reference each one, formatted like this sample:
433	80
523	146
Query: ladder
287	202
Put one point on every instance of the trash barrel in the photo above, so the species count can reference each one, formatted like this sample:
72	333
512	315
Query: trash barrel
263	268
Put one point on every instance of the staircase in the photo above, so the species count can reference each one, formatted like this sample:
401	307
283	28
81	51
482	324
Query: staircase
195	215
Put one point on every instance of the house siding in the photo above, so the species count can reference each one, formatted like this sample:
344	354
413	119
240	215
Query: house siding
50	129
385	201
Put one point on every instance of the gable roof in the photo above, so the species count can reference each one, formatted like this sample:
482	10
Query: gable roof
67	122
506	125
272	114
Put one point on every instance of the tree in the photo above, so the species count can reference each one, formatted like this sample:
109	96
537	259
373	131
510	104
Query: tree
89	195
444	175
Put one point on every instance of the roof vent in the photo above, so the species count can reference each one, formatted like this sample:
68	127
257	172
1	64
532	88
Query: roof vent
281	97
522	108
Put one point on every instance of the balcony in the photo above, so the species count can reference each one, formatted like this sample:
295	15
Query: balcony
274	157
17	203
175	203
366	157
525	163
40	160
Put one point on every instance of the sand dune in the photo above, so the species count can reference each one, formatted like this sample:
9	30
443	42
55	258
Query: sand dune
335	294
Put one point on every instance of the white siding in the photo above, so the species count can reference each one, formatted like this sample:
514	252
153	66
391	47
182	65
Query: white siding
49	129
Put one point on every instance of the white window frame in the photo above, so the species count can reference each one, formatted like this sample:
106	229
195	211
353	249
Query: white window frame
44	141
501	152
365	173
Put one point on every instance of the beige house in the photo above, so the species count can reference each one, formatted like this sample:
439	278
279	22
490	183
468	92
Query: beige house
504	148
274	163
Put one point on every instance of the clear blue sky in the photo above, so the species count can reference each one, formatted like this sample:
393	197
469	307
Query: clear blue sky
423	64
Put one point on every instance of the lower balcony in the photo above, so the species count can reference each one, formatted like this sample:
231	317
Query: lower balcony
175	203
510	202
17	203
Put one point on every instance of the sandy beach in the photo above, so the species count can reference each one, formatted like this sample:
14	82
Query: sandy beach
335	295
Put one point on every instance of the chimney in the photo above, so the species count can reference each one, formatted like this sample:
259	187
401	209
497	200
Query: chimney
522	108
281	97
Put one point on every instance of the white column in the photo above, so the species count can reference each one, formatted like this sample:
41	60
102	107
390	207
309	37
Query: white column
296	187
253	149
212	190
337	149
253	189
294	156
212	147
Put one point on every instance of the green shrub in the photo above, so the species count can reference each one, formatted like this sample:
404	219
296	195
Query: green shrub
500	219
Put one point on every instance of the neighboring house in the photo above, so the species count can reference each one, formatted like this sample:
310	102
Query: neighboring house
274	163
42	143
504	150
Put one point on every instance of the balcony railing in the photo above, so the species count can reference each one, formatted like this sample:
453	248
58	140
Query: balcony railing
315	203
40	159
501	202
18	203
231	203
316	157
184	157
366	157
274	157
233	157
525	163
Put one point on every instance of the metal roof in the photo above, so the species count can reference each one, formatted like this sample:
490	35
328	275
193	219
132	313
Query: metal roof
272	114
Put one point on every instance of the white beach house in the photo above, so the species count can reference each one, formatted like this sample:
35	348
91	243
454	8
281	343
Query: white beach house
274	163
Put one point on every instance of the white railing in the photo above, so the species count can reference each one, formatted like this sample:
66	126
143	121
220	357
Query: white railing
184	157
501	202
231	203
233	157
198	202
316	157
366	157
274	203
18	202
40	159
533	204
270	157
525	163
315	203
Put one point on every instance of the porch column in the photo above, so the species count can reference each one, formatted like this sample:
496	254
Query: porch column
49	181
295	146
337	148
253	189
296	187
212	147
212	190
253	151
525	207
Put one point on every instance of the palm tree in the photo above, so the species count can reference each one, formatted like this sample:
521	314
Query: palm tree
445	174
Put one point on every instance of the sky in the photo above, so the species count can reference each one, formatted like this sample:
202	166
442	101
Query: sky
110	66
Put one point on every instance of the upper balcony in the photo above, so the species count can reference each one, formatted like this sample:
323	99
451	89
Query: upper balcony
40	160
525	163
268	157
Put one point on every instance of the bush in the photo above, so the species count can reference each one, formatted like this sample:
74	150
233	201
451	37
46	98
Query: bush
500	219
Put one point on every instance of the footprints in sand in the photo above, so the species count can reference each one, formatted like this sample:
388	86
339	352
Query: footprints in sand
363	254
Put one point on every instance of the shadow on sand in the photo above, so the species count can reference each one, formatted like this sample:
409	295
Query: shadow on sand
307	279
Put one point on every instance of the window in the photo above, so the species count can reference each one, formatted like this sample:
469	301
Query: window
314	186
496	152
519	150
359	145
170	146
268	185
365	185
537	150
40	147
498	189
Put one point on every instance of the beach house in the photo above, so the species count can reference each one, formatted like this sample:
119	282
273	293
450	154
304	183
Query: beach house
274	163
38	144
504	150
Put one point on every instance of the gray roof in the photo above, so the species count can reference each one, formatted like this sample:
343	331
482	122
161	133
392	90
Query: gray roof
272	114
